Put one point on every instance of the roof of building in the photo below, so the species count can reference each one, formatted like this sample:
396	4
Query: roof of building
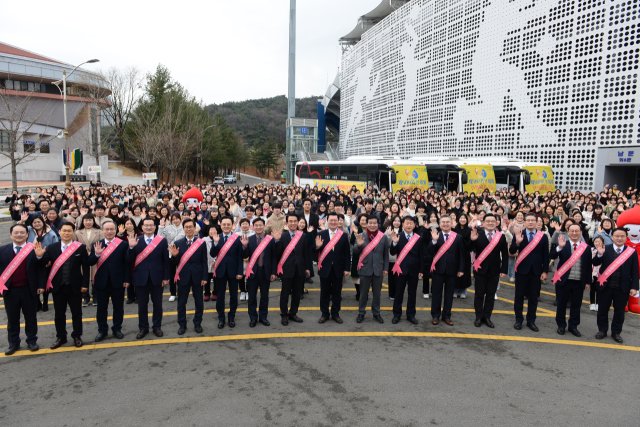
16	51
365	22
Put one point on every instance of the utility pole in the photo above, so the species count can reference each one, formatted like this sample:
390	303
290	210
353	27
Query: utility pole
292	60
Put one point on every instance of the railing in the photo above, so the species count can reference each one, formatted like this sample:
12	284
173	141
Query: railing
331	148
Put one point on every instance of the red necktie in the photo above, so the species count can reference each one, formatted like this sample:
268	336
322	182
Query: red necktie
575	246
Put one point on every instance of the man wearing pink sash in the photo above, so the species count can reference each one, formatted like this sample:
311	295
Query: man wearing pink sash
334	263
572	277
371	253
21	281
617	279
150	255
532	265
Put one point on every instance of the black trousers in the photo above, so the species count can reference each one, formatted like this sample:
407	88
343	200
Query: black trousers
221	287
172	274
331	291
259	280
131	293
486	287
425	284
526	285
20	299
207	287
293	287
438	283
117	299
143	294
91	293
593	292
198	299
63	297
242	284
572	291
403	281
45	299
392	281
619	298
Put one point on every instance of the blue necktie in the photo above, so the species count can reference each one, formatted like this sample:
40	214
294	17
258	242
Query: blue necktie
531	236
18	249
225	239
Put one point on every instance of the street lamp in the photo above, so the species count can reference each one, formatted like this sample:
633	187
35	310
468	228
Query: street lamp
201	154
63	92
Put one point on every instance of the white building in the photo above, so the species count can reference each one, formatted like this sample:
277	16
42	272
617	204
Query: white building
551	81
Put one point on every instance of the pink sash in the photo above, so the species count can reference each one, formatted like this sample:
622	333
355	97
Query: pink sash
530	247
329	247
194	247
256	254
290	247
105	254
150	247
485	253
567	265
444	248
602	277
370	247
224	251
13	265
396	268
61	260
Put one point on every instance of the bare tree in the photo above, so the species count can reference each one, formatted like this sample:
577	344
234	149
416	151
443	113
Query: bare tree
147	141
181	126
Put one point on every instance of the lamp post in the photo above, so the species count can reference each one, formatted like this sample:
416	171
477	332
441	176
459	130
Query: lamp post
201	153
63	92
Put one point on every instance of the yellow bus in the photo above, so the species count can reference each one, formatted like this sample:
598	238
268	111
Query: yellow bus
523	176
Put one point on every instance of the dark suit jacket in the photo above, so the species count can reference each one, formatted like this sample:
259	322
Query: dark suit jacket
339	258
154	267
232	264
498	260
115	267
314	220
378	259
538	260
452	261
629	268
411	265
298	257
267	258
80	276
196	268
35	268
585	264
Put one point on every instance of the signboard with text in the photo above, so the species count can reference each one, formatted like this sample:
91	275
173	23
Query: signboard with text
93	169
150	175
623	156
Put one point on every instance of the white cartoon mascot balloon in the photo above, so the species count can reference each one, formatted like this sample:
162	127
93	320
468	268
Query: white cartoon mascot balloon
630	219
193	198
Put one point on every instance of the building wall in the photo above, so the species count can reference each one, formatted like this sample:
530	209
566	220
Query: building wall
546	81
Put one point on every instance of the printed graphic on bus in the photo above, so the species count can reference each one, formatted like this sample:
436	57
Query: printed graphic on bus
541	179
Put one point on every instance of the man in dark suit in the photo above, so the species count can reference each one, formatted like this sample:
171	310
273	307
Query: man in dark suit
70	281
618	286
332	269
573	282
531	269
490	270
110	280
374	267
447	268
150	276
227	270
313	220
261	273
411	267
293	268
193	276
21	288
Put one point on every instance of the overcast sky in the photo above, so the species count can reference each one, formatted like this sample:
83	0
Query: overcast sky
220	50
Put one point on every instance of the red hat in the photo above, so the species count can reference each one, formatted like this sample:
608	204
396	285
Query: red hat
630	216
193	193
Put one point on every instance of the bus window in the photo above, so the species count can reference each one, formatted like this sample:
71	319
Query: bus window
501	175
349	172
453	181
365	170
385	180
303	171
330	171
514	180
436	178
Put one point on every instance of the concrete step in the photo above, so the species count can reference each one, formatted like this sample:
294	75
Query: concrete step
314	157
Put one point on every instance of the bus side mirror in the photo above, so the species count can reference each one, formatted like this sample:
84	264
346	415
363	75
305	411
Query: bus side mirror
393	177
526	178
465	178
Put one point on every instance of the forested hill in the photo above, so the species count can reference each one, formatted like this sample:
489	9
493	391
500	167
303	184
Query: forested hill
263	120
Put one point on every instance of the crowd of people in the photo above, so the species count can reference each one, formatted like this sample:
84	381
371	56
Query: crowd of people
91	245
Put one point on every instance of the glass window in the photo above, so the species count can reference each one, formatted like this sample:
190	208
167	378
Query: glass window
8	84
23	86
29	146
303	171
31	86
501	175
436	178
44	147
5	141
365	170
347	170
330	170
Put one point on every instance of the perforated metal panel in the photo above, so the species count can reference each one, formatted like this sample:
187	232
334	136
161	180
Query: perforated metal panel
546	81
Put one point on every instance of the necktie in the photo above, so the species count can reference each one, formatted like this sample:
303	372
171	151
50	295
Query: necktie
188	242
575	246
530	236
261	257
18	249
491	236
617	250
225	239
64	248
332	233
446	236
148	241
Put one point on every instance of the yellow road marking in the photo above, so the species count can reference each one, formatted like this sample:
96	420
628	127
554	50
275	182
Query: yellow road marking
323	335
543	310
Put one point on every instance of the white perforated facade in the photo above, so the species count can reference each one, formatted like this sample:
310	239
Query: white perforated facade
545	81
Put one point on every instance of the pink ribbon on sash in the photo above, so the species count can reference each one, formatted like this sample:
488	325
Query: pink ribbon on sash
329	247
256	254
370	247
290	247
567	265
444	248
602	277
150	247
528	249
60	261
396	268
13	265
224	251
485	253
105	254
194	247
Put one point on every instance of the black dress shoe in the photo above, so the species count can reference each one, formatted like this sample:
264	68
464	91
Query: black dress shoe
488	322
378	318
338	320
284	321
309	280
306	291
322	319
143	333
517	326
301	296
600	335
616	337
232	323
158	333
130	301
100	337
477	323
575	332
36	347
221	324
118	335
395	319
182	330
360	318
58	343
12	349
78	342
253	323
198	329
265	322
560	331
412	320
532	326
295	318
